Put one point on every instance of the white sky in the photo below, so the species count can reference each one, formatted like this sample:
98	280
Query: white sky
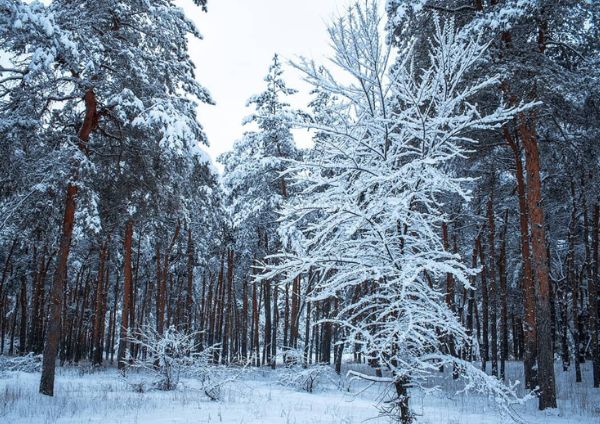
240	38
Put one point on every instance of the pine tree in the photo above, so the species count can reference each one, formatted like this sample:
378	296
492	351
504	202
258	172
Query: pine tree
256	186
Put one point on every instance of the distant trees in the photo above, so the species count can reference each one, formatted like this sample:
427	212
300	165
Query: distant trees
256	186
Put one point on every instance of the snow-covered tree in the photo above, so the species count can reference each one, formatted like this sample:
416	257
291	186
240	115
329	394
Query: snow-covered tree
99	87
255	186
548	51
369	215
251	174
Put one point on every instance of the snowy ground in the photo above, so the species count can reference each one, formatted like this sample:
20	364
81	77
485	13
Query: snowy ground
257	397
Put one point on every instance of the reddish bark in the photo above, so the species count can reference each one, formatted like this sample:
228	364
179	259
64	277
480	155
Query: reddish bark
527	283
58	282
547	394
127	281
100	309
56	295
189	301
244	320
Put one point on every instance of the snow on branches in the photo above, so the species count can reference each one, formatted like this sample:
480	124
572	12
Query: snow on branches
369	214
173	354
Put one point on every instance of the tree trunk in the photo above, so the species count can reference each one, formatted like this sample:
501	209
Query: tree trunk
573	283
493	295
244	320
13	328
218	309
7	266
286	318
307	326
228	309
127	280
484	309
5	271
547	394
58	282
593	289
161	296
503	299
53	331
275	324
527	283
189	300
468	355
326	332
515	334
134	324
450	296
564	321
401	385
23	323
208	316
255	336
37	306
268	330
100	309
160	306
110	345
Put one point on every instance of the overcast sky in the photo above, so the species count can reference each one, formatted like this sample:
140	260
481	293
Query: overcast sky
240	38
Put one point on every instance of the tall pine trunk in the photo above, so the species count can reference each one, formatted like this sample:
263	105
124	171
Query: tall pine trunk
58	282
127	281
573	282
493	295
23	323
594	317
503	299
484	308
527	282
100	309
547	394
189	299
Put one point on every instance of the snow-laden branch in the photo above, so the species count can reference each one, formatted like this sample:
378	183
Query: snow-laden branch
368	217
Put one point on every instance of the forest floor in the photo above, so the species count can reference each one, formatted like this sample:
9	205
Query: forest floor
257	396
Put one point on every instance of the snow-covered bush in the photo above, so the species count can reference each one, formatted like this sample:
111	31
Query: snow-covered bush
307	379
170	355
292	357
29	363
174	354
215	377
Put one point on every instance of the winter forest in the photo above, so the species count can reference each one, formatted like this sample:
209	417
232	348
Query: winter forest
431	256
